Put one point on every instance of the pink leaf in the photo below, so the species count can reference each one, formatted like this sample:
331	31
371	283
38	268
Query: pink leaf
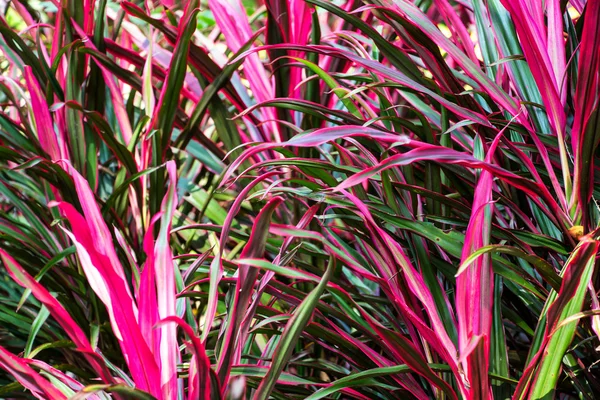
231	18
585	136
39	386
146	294
529	24
51	143
246	279
475	289
166	289
216	268
427	152
61	376
106	277
199	386
16	272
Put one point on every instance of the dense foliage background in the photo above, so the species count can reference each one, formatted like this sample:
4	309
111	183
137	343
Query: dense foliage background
299	199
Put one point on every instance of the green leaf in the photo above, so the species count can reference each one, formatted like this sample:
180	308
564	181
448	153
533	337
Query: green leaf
293	329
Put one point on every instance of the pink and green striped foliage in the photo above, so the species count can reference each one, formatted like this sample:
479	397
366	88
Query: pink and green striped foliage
299	199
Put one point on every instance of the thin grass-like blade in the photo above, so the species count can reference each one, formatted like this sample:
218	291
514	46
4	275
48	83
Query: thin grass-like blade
547	62
414	281
445	155
216	267
246	279
115	92
292	331
168	101
420	20
233	22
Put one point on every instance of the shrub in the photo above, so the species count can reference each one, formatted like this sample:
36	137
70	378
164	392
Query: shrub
299	199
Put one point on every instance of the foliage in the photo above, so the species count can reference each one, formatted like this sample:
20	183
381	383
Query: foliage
299	199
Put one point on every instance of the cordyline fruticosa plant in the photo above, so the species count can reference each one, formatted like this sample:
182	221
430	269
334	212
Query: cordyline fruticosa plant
299	199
